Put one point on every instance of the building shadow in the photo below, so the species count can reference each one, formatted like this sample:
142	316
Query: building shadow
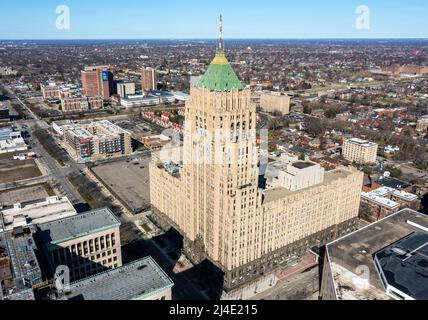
321	256
202	281
136	145
424	204
82	207
52	256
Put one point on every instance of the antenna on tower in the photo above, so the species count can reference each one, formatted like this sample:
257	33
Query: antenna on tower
220	38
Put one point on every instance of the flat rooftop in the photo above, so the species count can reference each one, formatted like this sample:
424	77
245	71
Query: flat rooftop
25	295
278	193
51	208
348	254
21	250
362	142
380	200
77	226
385	191
134	281
96	129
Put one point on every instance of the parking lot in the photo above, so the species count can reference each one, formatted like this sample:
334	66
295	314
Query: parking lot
8	198
15	170
129	181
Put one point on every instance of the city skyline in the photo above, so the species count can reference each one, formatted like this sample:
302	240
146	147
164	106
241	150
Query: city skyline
229	167
174	20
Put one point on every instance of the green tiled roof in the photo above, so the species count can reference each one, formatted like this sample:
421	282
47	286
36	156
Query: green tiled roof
220	75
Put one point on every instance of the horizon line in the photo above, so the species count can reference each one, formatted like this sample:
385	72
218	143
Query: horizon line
213	39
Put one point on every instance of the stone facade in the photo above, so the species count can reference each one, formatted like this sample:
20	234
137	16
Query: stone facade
215	202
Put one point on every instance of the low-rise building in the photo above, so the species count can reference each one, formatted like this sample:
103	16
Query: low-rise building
20	271
382	261
391	149
7	71
360	151
378	206
155	142
26	214
180	96
385	201
11	141
87	243
76	104
147	99
60	126
50	91
140	280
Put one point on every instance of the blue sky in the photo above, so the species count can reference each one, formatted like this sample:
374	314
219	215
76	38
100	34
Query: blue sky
171	19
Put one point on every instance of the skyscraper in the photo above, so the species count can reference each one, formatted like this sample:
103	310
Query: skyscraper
149	81
107	84
211	194
97	81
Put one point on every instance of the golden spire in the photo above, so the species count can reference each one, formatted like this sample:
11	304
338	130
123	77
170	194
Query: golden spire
220	38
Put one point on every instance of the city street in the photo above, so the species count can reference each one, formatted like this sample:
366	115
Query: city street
56	173
302	286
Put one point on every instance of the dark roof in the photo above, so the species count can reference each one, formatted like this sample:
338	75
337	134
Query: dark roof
405	265
134	281
303	165
77	226
359	249
393	183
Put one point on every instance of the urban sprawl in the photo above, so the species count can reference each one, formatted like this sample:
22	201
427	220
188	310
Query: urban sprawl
159	170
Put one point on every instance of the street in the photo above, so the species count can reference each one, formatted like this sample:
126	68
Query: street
302	286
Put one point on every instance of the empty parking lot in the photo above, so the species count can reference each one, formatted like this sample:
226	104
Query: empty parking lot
129	181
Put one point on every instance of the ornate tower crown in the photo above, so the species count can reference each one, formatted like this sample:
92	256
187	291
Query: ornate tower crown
220	75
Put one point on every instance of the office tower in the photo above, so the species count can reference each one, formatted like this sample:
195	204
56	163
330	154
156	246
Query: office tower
149	81
211	195
97	81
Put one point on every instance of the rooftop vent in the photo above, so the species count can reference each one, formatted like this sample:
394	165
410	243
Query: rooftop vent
416	225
